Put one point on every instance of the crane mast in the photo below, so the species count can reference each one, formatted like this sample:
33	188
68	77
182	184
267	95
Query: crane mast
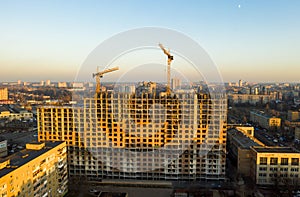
170	58
99	75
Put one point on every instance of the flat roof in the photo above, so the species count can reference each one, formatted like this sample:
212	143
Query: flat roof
243	140
3	108
272	149
24	156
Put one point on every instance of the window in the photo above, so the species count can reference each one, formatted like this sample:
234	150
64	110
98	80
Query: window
295	169
273	169
263	169
262	174
295	161
284	161
263	160
284	169
273	161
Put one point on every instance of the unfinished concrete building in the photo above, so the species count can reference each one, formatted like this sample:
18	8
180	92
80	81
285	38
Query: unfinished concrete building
147	137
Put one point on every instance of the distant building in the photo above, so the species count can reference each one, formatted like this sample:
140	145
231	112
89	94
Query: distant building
38	170
297	133
3	94
293	115
264	120
48	83
26	83
130	89
6	112
275	165
62	84
175	83
146	88
292	124
77	86
251	99
3	147
90	84
240	83
125	88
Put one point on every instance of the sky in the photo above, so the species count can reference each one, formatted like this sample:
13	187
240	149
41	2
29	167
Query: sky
252	40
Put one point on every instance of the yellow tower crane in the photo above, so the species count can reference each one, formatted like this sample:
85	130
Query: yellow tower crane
99	75
170	58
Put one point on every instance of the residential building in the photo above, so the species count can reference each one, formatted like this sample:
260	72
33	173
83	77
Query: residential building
297	133
62	84
3	147
240	83
293	115
6	112
264	165
38	170
3	94
251	99
265	120
275	165
175	83
123	136
48	82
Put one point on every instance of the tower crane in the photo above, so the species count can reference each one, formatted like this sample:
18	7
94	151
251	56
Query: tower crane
99	75
170	58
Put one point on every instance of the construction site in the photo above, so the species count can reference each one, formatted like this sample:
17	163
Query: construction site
146	135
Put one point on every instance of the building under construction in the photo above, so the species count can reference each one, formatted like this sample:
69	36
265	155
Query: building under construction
151	134
146	136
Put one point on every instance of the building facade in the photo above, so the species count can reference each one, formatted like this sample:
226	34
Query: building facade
3	147
297	133
251	99
275	165
264	120
263	164
3	94
121	136
293	115
6	112
240	141
38	170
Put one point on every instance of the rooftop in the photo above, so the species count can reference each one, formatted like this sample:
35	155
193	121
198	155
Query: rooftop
3	108
24	156
272	149
244	141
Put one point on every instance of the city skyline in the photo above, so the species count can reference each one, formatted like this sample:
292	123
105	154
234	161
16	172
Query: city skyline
250	40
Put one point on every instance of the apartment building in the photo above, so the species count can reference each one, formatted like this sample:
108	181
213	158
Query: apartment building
264	165
3	147
38	170
275	165
252	99
265	120
121	136
3	94
6	112
293	115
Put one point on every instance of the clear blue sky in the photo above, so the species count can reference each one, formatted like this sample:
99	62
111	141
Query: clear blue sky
253	40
